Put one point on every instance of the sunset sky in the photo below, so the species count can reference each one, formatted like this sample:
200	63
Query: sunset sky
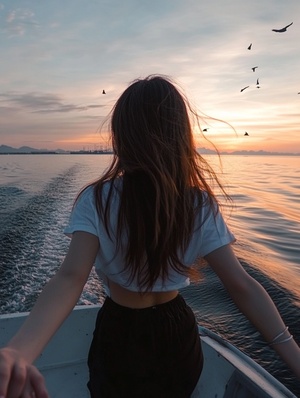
58	56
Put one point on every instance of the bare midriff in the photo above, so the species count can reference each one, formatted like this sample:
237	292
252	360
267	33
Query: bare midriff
130	299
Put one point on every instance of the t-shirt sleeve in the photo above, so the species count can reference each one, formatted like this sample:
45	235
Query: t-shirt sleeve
215	232
84	214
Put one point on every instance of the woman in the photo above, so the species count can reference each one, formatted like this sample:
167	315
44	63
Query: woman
144	224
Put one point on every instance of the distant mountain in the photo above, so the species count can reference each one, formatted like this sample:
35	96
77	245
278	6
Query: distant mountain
247	153
26	149
261	152
205	151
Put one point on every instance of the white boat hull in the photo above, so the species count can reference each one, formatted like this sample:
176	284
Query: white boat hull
227	373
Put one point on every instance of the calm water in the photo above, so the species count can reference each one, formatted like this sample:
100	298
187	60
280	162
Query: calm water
36	196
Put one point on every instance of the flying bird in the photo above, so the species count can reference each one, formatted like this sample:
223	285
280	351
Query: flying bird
205	129
282	29
246	133
249	48
103	92
257	82
254	67
244	88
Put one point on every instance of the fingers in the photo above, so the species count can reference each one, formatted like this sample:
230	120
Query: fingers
18	379
27	392
12	374
35	385
4	380
38	385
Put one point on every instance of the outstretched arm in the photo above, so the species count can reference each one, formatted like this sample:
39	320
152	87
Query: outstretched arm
58	298
255	303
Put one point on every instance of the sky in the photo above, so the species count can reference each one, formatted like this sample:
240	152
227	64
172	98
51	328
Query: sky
57	57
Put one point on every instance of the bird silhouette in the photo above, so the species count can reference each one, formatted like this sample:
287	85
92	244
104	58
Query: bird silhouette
205	129
103	92
249	48
254	67
257	82
282	29
246	133
244	88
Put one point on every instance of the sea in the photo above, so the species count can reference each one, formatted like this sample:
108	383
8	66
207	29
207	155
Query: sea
36	196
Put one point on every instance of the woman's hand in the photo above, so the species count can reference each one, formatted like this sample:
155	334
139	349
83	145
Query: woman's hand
18	378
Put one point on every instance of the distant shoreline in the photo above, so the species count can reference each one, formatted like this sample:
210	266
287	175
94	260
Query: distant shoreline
59	153
236	153
26	150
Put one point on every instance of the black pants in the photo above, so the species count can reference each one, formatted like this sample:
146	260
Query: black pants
153	352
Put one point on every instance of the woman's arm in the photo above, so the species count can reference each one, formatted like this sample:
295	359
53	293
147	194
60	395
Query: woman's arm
54	304
255	303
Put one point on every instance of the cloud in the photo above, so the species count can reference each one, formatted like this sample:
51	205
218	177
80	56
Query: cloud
68	108
19	20
44	103
20	15
11	16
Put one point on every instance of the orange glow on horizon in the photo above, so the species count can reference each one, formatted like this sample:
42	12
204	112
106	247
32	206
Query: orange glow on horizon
87	140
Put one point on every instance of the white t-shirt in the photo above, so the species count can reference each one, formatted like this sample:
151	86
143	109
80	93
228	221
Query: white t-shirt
109	264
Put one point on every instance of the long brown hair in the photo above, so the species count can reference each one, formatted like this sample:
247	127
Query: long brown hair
163	177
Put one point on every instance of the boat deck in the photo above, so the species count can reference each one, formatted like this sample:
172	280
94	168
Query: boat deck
227	373
67	380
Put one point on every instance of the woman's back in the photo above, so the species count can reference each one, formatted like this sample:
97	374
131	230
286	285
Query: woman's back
209	232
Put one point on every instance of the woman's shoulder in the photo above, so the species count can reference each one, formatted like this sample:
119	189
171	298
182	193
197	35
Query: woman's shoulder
206	206
85	198
102	192
101	186
204	200
110	187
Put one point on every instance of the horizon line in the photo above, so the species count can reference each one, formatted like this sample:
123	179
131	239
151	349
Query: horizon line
202	150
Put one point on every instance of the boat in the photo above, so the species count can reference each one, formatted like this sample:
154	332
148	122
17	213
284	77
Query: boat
227	373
